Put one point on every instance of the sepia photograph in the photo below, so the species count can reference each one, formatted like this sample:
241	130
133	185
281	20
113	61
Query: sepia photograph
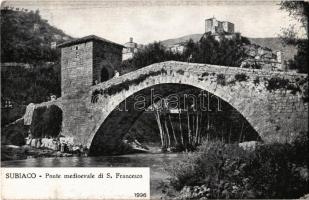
153	99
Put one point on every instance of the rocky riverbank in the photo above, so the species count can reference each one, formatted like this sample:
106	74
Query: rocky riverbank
45	147
12	152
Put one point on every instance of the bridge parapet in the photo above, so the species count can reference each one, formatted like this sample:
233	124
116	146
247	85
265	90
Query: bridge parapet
202	72
198	70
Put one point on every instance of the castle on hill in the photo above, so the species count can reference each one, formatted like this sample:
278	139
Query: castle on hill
214	26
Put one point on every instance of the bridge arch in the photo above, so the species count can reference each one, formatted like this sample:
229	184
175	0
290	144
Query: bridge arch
123	116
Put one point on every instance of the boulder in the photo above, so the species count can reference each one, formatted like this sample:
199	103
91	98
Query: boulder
249	145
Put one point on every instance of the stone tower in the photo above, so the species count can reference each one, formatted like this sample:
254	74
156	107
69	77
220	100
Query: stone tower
87	61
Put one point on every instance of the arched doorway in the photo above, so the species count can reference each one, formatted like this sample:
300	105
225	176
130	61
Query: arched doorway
105	74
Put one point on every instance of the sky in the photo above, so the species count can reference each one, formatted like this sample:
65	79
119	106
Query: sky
154	20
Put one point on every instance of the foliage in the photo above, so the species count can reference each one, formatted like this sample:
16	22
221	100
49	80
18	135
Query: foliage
228	52
254	65
256	81
21	42
228	171
208	50
221	79
53	121
299	10
300	61
46	121
152	53
125	84
241	77
34	85
37	124
277	83
180	71
9	115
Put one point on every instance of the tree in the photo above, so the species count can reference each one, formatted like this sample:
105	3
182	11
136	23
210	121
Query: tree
228	52
299	10
151	53
300	61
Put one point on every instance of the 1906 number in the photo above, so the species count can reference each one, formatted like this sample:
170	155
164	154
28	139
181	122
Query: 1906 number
140	194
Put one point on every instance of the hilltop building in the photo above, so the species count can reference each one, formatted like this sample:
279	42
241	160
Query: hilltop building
130	49
214	26
219	29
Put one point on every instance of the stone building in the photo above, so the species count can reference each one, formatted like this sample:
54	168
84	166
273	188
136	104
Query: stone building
130	49
177	48
36	27
219	29
214	26
53	45
87	61
262	57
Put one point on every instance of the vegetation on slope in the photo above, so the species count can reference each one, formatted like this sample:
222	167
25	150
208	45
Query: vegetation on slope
26	38
208	50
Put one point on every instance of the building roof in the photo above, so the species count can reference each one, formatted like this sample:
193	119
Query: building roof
86	39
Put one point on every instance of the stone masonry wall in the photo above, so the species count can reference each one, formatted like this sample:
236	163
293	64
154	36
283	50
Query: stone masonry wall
105	55
76	68
278	115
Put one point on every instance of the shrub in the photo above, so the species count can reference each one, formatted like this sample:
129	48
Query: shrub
274	172
277	83
252	65
228	171
124	85
46	121
205	74
180	71
256	81
241	77
221	79
53	120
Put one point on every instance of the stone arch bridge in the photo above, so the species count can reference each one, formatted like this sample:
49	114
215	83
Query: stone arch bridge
274	103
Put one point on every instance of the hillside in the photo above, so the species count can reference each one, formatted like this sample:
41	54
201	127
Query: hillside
194	37
27	38
273	43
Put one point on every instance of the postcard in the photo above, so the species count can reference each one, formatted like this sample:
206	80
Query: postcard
151	99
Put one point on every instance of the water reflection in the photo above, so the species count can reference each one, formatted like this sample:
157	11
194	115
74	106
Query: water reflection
156	162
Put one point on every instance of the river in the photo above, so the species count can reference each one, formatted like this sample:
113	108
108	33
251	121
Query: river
157	163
